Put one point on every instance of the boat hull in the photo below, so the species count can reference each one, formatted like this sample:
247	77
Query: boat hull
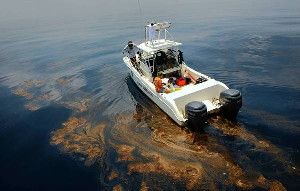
174	104
154	96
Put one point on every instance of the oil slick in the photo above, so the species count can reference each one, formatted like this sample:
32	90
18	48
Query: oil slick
152	146
180	159
78	105
23	93
163	150
78	136
239	131
39	93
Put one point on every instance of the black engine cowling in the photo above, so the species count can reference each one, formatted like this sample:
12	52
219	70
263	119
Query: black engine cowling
231	100
196	113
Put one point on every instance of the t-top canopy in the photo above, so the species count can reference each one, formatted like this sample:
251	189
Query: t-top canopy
156	45
161	25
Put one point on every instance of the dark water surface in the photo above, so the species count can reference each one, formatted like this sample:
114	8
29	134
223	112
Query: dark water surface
71	118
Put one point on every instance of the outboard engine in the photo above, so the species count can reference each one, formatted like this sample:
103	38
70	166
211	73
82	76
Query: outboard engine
231	100
196	113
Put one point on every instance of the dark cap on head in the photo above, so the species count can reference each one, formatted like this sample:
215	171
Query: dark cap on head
152	24
130	44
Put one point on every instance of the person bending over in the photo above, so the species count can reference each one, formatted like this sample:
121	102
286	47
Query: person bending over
131	50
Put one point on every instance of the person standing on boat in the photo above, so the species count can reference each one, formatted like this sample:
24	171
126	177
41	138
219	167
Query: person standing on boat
131	50
180	57
151	30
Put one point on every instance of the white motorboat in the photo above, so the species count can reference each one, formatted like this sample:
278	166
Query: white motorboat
190	97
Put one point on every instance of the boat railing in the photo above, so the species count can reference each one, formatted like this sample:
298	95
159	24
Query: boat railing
168	33
161	32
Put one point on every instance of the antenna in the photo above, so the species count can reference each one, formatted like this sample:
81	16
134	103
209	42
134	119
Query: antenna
141	15
140	9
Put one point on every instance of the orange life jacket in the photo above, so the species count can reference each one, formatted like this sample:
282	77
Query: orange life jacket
158	84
